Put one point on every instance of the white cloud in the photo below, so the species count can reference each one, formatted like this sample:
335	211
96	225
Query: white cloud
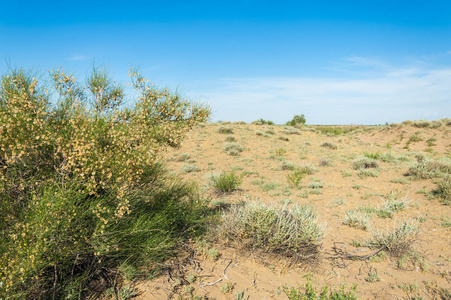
392	95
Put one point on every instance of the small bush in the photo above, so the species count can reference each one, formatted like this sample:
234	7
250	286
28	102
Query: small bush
263	122
414	138
396	242
226	182
233	149
295	177
290	232
329	145
444	190
187	168
316	185
291	130
364	163
357	220
230	138
426	168
324	162
225	130
286	165
280	151
284	138
270	131
421	123
307	169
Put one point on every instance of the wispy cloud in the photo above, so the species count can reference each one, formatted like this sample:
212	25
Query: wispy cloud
78	57
391	95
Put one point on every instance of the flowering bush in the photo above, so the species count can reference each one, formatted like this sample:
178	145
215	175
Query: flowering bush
81	188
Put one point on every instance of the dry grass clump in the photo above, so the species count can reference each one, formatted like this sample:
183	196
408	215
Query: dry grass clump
183	157
287	165
357	220
421	123
230	138
398	241
426	168
324	162
233	149
291	130
225	130
290	232
364	163
329	145
444	190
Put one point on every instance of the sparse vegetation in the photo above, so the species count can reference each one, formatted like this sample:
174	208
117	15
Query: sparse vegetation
364	163
291	232
357	220
398	241
329	145
226	182
263	122
426	168
233	149
309	292
444	190
225	130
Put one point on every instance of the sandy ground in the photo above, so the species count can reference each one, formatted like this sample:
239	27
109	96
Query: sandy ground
262	276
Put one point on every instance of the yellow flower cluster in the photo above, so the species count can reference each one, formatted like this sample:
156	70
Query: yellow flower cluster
87	140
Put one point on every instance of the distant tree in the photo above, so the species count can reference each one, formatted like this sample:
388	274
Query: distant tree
297	119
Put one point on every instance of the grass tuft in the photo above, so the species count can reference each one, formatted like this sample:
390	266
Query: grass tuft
226	182
290	232
398	241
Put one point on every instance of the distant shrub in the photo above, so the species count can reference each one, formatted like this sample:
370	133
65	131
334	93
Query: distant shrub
421	123
364	163
291	130
415	138
233	149
280	151
270	131
82	195
284	138
286	165
329	145
324	162
291	232
297	120
225	130
426	168
263	122
226	182
444	190
187	168
230	138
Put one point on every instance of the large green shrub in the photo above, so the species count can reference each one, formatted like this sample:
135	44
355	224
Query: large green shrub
81	190
297	120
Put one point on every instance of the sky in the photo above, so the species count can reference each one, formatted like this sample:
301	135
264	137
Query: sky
336	62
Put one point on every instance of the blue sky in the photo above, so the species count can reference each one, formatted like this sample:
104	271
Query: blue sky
337	62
